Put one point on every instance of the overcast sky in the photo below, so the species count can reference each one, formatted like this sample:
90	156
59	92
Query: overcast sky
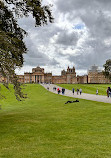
80	36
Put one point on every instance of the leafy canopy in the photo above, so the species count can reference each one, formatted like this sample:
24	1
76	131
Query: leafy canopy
107	69
12	46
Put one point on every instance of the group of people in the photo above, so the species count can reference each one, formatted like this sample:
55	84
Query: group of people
59	90
78	91
108	92
63	90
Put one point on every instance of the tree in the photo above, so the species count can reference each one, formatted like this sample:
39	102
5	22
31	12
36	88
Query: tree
107	69
12	46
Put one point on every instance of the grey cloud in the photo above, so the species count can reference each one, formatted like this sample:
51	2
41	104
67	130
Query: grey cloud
66	38
98	24
79	5
94	55
71	5
38	37
93	15
40	59
44	61
36	57
96	17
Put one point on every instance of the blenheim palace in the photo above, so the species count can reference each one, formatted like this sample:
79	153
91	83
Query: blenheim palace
39	76
69	77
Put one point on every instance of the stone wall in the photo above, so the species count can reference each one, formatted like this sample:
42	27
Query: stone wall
97	77
82	79
59	79
48	78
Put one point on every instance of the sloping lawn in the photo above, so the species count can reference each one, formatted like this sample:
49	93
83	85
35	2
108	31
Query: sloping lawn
43	126
88	88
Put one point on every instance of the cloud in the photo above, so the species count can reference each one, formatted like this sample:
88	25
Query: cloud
36	56
80	36
65	38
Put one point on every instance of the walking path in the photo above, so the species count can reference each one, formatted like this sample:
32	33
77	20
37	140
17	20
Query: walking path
99	98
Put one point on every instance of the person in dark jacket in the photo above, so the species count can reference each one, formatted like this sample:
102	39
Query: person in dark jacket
58	90
73	91
63	91
107	92
77	91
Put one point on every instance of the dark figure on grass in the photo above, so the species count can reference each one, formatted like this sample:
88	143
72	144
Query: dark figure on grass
72	101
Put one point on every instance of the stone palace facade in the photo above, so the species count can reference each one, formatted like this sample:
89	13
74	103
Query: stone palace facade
67	77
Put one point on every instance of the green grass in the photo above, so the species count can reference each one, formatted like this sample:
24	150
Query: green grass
88	88
43	126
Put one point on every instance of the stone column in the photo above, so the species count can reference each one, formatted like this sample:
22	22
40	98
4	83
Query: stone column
42	79
35	79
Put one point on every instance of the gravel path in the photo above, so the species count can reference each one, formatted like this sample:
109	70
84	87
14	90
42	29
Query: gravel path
99	98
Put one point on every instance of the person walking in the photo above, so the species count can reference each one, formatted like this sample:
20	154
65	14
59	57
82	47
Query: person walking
107	92
54	88
73	91
97	92
77	91
80	91
63	91
58	90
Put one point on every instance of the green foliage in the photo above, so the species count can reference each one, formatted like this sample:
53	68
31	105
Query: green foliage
43	126
12	46
42	14
107	69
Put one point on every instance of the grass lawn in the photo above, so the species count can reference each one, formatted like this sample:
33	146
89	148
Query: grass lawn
43	126
88	88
